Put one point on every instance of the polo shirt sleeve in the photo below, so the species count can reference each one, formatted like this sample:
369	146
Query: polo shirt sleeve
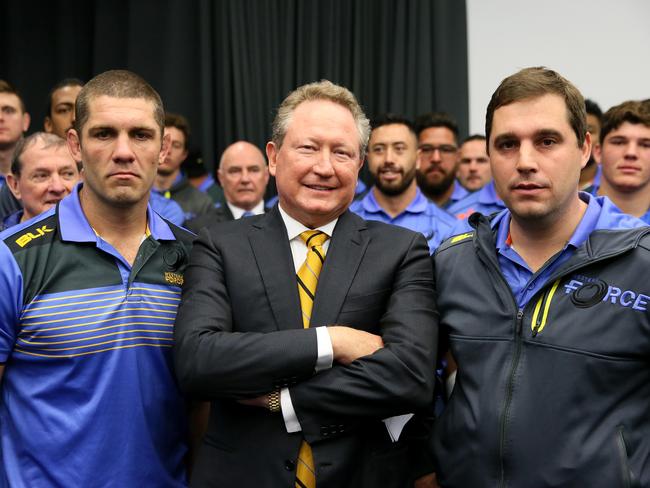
11	298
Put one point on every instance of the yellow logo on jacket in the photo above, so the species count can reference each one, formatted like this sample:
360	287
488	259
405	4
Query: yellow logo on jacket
28	237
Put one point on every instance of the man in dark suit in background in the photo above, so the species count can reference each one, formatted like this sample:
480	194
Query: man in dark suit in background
307	326
243	175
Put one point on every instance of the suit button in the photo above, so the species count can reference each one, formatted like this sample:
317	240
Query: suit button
289	465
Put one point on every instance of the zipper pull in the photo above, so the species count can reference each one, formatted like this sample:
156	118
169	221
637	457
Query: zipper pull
520	316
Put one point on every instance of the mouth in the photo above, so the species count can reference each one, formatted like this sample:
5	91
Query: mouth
123	175
627	169
320	188
527	188
389	173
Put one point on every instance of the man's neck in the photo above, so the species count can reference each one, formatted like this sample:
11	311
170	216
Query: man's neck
634	203
121	227
537	241
441	199
394	205
165	182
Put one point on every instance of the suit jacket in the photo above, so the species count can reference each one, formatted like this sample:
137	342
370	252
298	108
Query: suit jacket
218	214
239	335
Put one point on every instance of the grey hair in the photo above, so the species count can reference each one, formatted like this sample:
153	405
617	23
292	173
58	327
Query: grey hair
321	90
47	140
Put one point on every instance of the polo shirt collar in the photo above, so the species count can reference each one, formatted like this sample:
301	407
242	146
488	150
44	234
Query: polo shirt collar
581	233
75	227
418	205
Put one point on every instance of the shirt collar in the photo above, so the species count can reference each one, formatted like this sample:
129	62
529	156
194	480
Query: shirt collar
237	212
75	226
207	183
418	205
585	227
295	228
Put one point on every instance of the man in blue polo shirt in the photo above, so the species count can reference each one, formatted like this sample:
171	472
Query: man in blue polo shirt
395	197
545	310
88	297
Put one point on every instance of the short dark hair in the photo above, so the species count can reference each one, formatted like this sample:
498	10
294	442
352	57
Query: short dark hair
25	143
593	109
536	82
436	119
61	84
6	87
633	112
181	123
390	119
118	84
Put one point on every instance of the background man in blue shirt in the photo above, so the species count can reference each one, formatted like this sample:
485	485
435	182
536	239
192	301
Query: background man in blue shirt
624	155
395	197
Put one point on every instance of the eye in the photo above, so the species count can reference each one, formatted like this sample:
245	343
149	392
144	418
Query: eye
143	135
645	144
377	150
547	142
102	134
506	145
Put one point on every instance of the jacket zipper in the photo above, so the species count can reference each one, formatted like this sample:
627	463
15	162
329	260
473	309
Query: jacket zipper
509	389
513	366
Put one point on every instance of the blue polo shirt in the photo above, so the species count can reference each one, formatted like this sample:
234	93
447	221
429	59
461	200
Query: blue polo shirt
88	396
600	214
421	215
485	201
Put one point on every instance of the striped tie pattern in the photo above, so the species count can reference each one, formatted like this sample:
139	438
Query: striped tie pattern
307	278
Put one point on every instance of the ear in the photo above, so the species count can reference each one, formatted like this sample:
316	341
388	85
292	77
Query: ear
272	154
586	150
74	145
12	183
164	148
47	124
26	121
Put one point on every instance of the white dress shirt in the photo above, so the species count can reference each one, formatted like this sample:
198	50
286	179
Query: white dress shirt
324	343
238	212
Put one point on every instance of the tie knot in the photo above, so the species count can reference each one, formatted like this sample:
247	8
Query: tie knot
247	213
314	237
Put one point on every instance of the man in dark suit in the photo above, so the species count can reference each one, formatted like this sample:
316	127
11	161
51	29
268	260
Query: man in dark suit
243	175
301	376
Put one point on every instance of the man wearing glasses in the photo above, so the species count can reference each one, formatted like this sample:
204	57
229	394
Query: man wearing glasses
438	158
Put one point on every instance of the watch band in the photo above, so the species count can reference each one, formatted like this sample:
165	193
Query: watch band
274	401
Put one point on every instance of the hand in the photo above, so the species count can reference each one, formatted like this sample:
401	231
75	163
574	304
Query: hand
426	481
349	344
260	401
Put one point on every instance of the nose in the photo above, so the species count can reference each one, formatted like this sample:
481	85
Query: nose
631	150
123	151
323	166
56	185
526	159
245	176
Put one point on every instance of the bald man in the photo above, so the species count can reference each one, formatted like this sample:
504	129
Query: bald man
243	175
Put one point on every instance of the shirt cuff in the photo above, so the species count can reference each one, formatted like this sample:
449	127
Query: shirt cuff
325	350
288	413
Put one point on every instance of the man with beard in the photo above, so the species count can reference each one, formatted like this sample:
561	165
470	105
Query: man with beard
438	159
395	197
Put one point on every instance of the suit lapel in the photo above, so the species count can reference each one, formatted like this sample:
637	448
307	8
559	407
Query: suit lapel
270	245
343	257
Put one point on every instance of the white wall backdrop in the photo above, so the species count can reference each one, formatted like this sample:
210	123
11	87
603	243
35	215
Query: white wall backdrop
602	46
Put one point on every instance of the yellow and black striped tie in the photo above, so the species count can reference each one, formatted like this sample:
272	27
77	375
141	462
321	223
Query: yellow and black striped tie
307	281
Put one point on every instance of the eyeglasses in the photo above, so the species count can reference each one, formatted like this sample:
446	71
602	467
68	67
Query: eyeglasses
444	149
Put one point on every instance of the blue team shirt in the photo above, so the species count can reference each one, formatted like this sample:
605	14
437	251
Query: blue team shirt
88	396
600	214
485	201
421	216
